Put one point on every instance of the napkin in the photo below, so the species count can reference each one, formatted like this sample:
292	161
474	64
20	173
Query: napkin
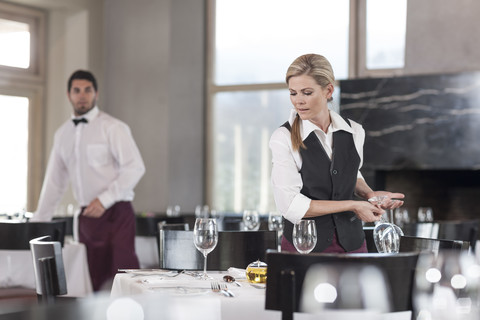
237	273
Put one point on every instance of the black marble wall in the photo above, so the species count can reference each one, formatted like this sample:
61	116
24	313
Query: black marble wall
422	132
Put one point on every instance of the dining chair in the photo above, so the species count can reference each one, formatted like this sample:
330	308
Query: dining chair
50	280
420	244
234	249
17	235
368	230
148	226
286	273
14	238
464	230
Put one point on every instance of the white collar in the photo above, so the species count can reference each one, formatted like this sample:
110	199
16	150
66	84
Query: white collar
338	123
90	115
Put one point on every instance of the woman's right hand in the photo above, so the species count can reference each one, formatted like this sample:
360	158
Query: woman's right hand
366	211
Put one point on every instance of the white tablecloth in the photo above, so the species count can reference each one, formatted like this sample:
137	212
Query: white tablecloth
16	269
248	303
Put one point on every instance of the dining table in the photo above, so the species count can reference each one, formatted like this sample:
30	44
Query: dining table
193	295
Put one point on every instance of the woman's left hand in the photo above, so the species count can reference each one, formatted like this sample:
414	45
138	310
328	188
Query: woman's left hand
391	200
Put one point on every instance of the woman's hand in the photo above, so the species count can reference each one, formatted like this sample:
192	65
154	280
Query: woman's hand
366	211
390	199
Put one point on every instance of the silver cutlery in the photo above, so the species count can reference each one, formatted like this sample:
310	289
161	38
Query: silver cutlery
216	287
223	286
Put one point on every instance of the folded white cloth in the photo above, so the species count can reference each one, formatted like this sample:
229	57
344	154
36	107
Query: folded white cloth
237	273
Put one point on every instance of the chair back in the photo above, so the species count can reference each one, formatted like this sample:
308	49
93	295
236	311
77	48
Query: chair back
48	267
177	251
240	248
286	273
419	244
17	235
148	226
234	249
464	230
371	248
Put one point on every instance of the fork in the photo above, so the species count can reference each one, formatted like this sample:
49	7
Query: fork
216	288
223	286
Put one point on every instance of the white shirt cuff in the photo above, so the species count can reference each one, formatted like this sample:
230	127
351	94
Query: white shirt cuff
106	200
298	208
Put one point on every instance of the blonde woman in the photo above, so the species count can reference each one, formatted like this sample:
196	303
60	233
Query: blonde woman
316	157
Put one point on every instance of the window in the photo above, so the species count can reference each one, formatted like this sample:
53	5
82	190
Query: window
381	37
15	39
21	98
249	52
14	160
22	41
386	25
248	98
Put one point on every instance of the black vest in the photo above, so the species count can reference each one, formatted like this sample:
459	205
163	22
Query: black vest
325	179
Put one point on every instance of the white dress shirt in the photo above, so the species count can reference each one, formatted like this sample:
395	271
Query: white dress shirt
286	179
100	158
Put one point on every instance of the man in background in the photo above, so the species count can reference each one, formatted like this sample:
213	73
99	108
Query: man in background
97	154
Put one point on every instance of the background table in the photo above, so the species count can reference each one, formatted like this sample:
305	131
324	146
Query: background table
17	269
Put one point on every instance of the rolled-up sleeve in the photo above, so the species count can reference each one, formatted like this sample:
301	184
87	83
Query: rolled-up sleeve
286	179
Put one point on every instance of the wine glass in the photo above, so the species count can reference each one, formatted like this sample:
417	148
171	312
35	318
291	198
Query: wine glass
446	285
425	214
173	211
202	211
251	220
275	223
386	234
401	217
205	238
305	236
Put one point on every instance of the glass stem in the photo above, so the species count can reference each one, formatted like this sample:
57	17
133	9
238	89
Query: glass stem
390	215
205	265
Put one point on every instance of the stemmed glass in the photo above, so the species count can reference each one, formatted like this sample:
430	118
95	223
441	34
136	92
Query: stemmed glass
205	238
386	234
425	214
202	211
275	223
251	220
305	236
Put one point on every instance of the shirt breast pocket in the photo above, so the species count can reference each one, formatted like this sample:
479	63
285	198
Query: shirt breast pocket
98	155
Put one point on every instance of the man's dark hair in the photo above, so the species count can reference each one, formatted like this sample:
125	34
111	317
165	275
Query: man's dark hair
82	75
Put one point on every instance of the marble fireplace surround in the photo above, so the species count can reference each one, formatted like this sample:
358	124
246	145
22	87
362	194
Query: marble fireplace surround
422	138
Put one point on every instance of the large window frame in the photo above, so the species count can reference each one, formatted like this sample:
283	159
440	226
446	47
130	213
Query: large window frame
356	61
30	83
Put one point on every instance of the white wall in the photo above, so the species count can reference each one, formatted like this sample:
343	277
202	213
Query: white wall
442	36
154	57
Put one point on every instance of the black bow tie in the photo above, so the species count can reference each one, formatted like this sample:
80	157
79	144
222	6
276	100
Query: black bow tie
77	121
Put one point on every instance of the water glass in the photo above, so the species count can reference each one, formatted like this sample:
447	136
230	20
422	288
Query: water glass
202	211
173	211
401	217
205	238
304	236
251	220
425	214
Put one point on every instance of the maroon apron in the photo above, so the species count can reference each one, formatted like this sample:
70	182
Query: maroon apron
110	242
